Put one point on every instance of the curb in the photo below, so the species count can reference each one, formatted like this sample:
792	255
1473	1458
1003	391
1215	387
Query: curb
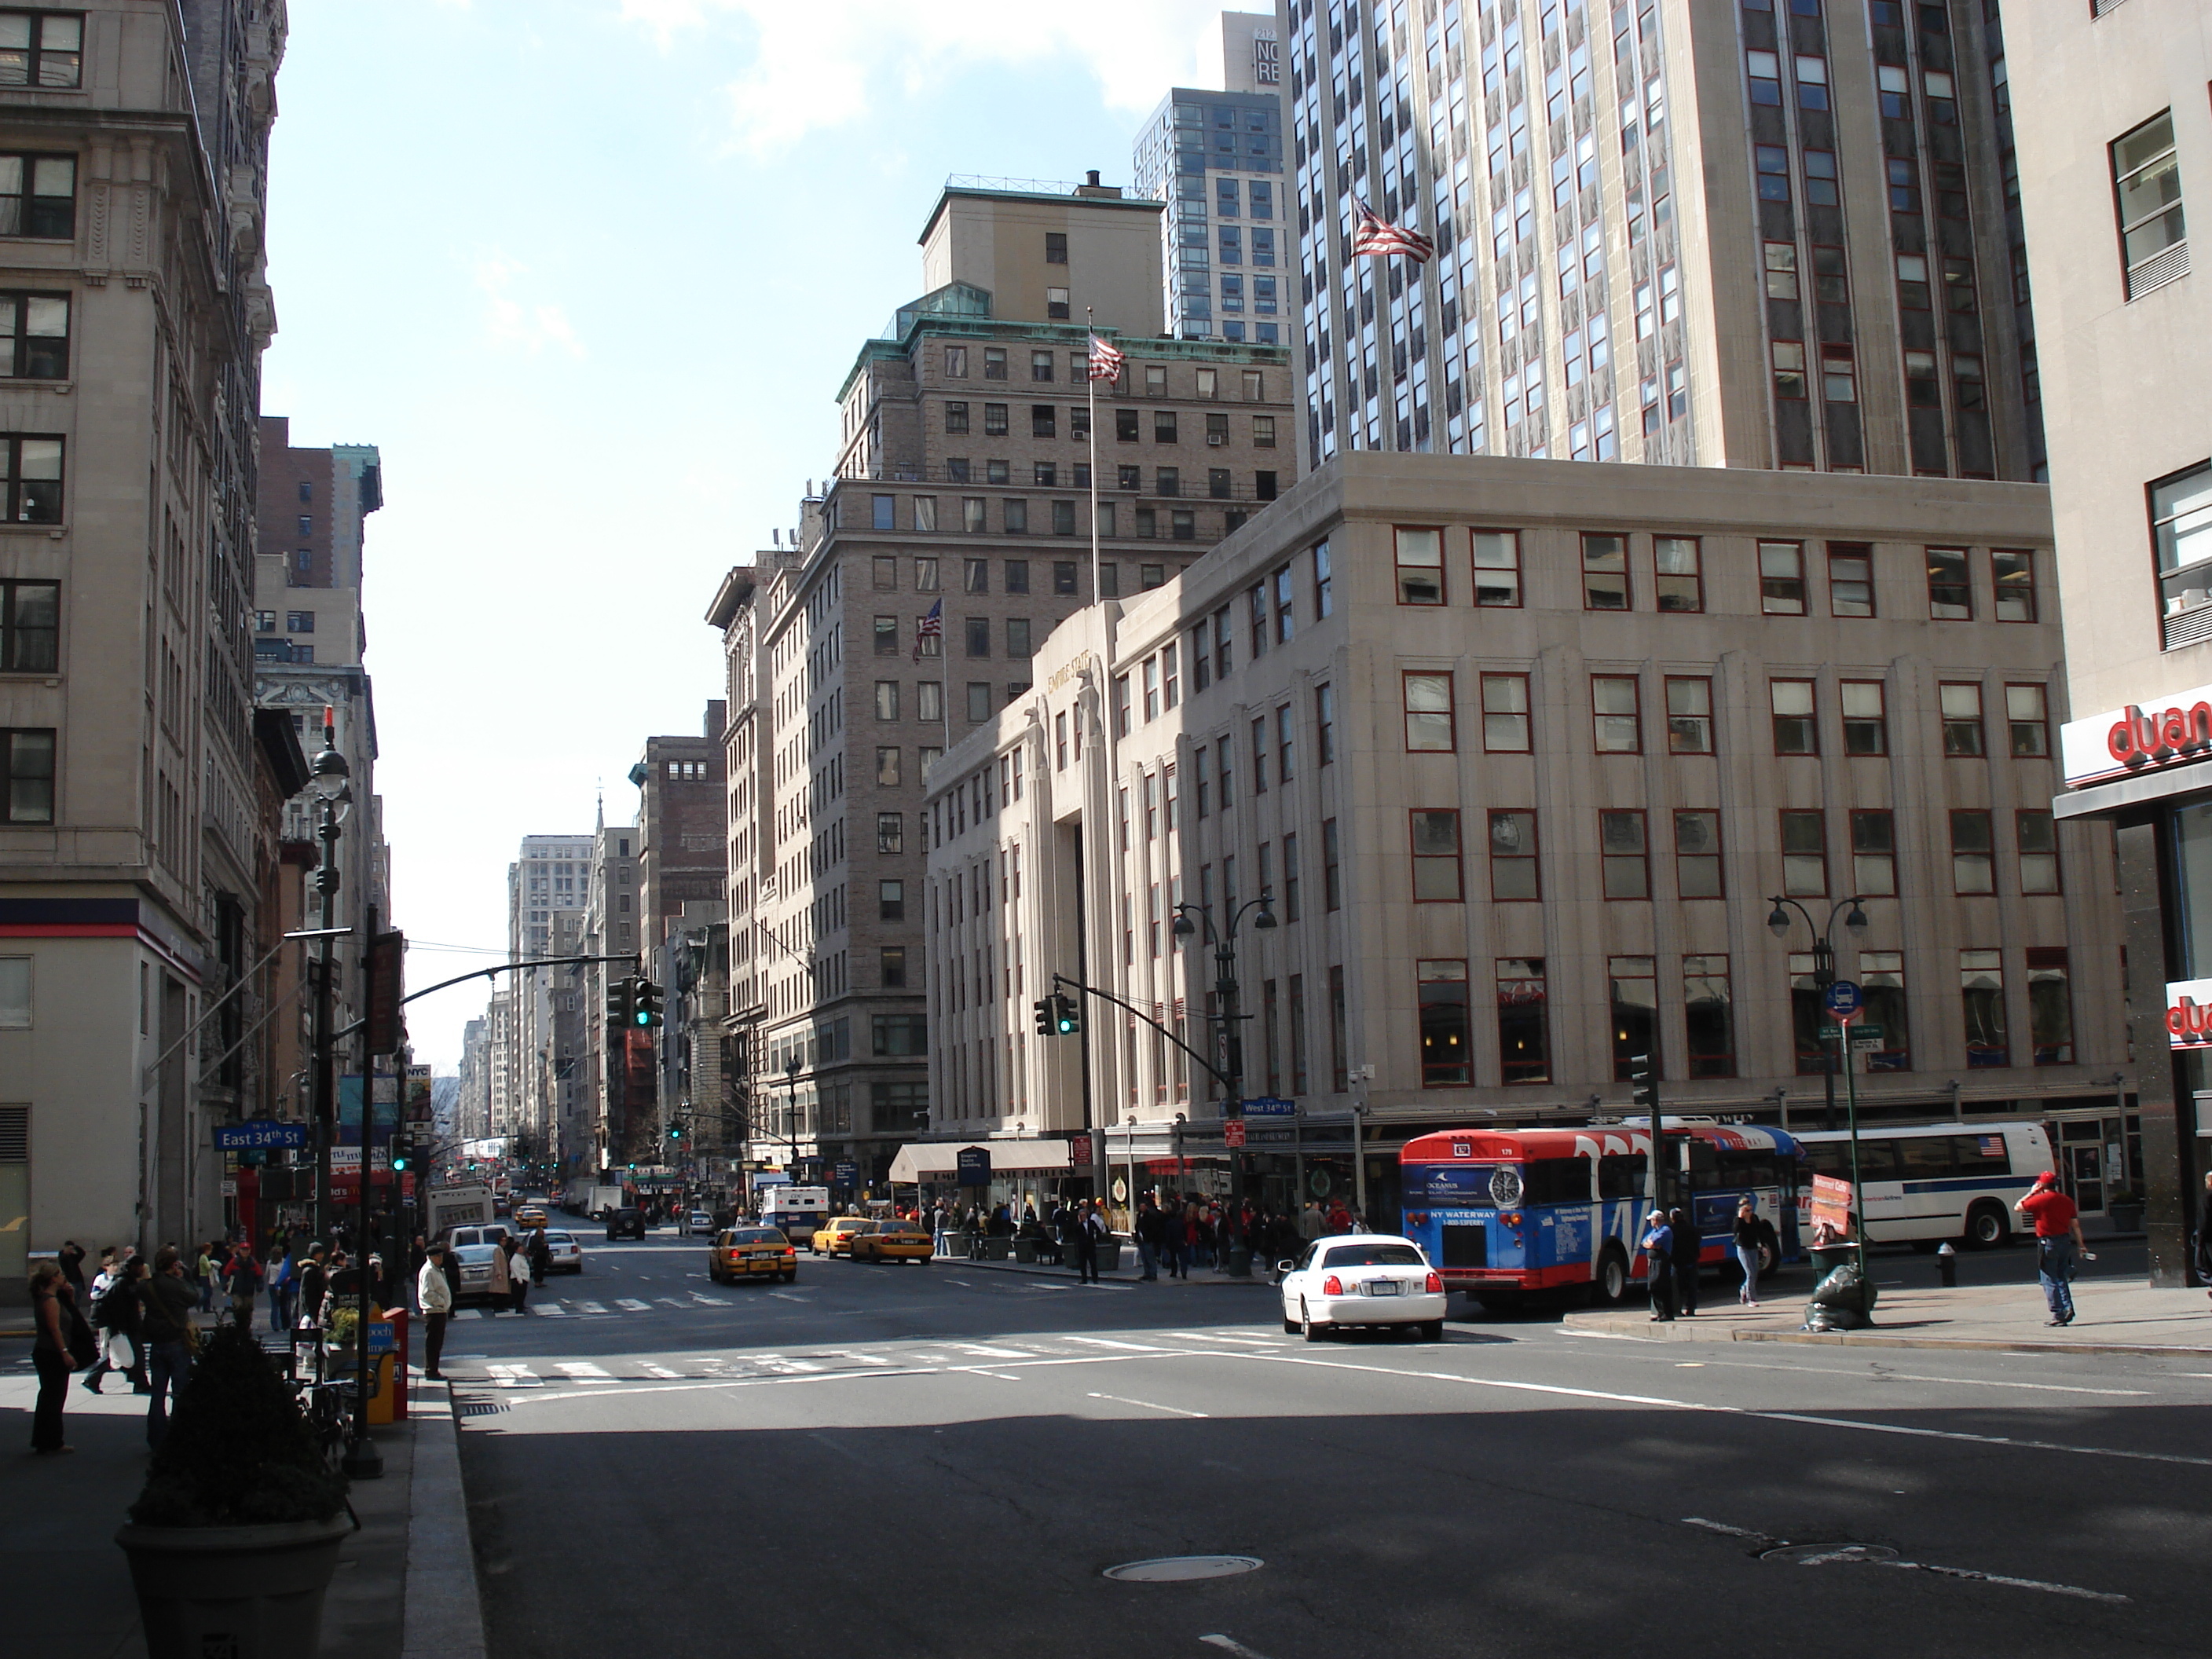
1685	1331
442	1615
1034	1271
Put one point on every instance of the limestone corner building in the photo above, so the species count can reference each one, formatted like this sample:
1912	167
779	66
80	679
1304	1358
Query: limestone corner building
1517	751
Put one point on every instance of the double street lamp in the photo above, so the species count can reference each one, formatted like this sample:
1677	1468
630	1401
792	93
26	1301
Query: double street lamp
1224	994
1824	976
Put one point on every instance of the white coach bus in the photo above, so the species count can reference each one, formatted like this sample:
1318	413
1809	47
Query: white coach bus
1941	1181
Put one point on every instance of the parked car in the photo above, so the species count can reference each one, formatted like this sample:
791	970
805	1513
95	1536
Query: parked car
492	1232
626	1223
694	1221
1362	1279
835	1237
568	1253
529	1216
751	1253
475	1263
892	1241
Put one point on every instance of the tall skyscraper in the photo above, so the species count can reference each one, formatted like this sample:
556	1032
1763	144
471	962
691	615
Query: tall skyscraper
1772	235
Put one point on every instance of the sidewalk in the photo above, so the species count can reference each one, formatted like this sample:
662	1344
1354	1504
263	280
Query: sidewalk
406	1585
2110	1318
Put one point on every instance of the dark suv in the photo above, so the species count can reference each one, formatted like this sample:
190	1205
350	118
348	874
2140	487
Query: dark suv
626	1223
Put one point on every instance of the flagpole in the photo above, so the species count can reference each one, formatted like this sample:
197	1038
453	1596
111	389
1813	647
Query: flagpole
1090	381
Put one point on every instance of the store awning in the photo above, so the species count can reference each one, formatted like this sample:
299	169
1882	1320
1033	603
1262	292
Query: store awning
940	1160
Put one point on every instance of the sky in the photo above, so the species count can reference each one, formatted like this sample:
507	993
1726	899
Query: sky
589	274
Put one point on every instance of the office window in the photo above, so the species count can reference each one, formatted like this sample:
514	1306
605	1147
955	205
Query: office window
1851	579
926	574
1429	727
1056	307
1605	573
1624	855
1950	593
1015	575
1788	357
41	49
1182	525
887	768
1795	731
887	700
1018	636
1874	853
975	576
1708	1017
1513	873
1324	724
1016	513
1804	856
1697	855
1616	714
890	832
1121	705
1973	861
1055	247
1635	1010
1498	567
2013	573
1447	1034
1263	432
1164	426
1866	725
1260	755
979	702
1961	702
2050	1008
2181	530
891	967
886	571
1063	576
33	479
1881	983
38	196
1781	261
994	425
1332	872
2147	186
1689	715
1420	567
955	418
995	363
1523	1048
1773	171
1807	1015
1044	418
1981	992
1781	578
929	703
1286	764
34	329
924	512
2028	720
27	755
1678	563
1505	713
2037	839
1224	768
30	626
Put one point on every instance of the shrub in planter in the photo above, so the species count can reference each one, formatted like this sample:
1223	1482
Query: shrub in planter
234	1538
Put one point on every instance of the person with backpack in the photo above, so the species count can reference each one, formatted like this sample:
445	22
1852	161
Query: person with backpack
115	1317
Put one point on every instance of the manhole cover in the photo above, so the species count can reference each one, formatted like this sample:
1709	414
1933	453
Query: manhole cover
1821	1555
1179	1569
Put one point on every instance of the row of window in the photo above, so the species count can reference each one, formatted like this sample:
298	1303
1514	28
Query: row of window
1430	706
981	701
1625	845
1522	1031
1014	577
1677	570
1128	427
1144	523
1207	384
975	631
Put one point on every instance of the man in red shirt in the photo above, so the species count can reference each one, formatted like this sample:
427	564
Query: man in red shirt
2057	1243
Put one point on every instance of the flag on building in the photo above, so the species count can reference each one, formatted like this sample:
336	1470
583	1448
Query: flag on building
1106	362
931	627
1374	235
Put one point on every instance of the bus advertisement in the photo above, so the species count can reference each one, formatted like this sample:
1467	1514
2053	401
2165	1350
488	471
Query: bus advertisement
1503	1213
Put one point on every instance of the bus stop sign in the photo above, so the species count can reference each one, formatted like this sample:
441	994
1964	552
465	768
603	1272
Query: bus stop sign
1843	1000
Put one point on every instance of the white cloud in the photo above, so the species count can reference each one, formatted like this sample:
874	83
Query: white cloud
510	321
815	65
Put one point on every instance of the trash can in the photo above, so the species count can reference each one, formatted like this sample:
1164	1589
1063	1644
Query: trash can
1025	1250
1239	1261
954	1244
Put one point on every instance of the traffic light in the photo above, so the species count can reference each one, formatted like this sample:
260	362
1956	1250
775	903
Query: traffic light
1644	1074
675	1132
1065	1020
647	1004
621	1001
399	1155
1043	1009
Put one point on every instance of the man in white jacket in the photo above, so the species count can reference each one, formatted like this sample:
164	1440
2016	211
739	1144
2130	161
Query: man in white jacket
435	1296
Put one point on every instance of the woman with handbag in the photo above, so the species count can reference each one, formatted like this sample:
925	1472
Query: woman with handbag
115	1312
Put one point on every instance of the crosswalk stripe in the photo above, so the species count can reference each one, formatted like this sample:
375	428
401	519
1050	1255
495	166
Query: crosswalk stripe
591	1307
1108	1342
660	1371
633	1305
552	1310
711	1301
515	1377
582	1370
994	1353
670	1301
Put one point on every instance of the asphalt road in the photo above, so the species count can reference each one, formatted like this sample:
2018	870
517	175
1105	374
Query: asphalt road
944	1461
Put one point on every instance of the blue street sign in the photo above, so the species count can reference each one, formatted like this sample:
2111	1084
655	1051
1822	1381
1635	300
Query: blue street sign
975	1166
848	1173
1271	1106
1843	999
261	1131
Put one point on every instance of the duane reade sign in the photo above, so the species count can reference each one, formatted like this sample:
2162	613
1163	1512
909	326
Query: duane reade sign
2143	737
2188	1013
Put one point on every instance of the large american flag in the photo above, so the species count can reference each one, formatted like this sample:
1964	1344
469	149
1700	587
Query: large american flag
932	626
1374	235
1106	362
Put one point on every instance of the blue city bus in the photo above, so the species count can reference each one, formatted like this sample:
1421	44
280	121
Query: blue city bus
1503	1213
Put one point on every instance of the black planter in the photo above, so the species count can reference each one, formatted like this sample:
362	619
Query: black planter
246	1592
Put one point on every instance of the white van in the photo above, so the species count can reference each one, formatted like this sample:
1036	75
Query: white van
1941	1181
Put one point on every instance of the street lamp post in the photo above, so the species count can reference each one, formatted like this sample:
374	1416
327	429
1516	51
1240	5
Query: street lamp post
327	778
1224	993
1824	976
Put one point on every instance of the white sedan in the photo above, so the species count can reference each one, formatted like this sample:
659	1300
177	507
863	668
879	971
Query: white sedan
567	1254
1362	1279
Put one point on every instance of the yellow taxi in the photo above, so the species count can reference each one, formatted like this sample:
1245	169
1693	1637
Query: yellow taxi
893	1241
529	1216
835	1237
751	1253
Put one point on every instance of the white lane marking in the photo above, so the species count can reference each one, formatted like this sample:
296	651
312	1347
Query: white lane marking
551	1311
1845	1555
859	1358
515	1377
1108	1342
672	1301
989	1353
1229	1645
631	1305
777	1363
1723	1527
591	1308
660	1371
582	1370
977	1370
962	1283
786	1296
1124	1399
711	1301
1224	1336
1914	1377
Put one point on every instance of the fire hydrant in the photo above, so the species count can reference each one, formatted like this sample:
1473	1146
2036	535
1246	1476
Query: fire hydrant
1946	1265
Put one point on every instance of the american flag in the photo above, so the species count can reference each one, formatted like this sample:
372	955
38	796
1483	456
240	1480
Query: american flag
1373	235
1106	362
930	627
